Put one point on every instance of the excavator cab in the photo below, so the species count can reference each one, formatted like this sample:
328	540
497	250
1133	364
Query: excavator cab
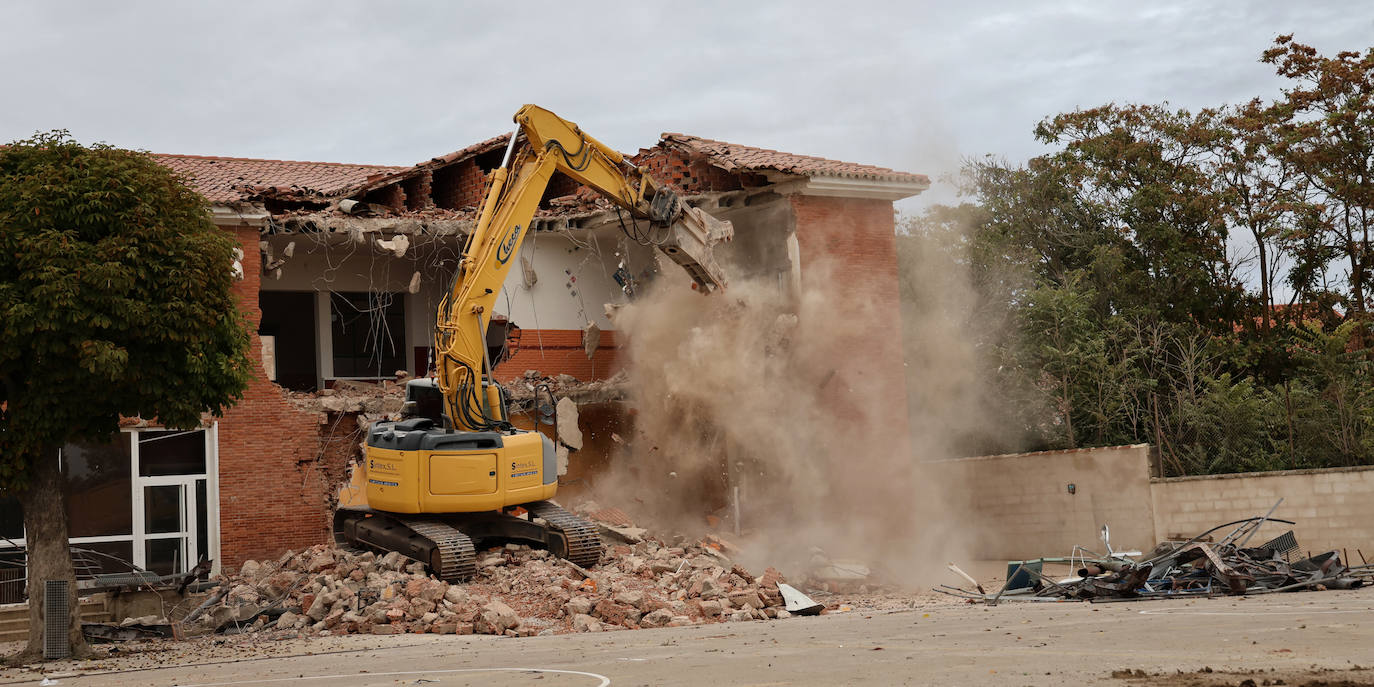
424	400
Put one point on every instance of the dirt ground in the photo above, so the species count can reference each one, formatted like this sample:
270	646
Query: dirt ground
1310	639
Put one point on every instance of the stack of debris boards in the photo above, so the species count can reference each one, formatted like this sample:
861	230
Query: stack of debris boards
1196	567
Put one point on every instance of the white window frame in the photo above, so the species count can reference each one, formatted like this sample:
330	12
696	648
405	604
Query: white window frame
137	537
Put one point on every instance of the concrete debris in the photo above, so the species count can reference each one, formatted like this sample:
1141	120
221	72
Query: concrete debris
797	602
628	535
569	434
522	391
591	339
382	400
517	591
561	456
396	245
527	274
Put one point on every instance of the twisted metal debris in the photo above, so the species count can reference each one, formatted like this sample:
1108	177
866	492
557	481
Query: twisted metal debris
1196	567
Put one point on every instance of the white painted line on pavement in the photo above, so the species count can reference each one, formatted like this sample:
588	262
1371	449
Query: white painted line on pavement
1167	611
604	680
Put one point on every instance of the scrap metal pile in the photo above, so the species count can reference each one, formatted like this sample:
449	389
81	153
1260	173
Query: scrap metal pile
1196	567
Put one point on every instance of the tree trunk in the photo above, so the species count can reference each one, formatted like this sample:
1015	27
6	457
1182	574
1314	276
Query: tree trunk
49	558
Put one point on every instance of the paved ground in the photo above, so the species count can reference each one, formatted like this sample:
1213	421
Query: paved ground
1320	638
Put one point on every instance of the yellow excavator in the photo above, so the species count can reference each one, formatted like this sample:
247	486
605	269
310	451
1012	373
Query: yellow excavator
454	474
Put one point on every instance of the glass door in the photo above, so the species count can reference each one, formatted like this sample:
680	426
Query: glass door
169	528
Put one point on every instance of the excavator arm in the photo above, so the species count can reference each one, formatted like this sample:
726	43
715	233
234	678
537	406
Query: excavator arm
683	233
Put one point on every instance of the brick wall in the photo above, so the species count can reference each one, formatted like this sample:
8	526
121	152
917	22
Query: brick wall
1333	508
686	175
271	488
849	254
1019	506
559	351
458	185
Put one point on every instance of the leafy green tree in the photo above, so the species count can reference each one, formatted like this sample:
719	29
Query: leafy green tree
1326	131
1141	170
114	300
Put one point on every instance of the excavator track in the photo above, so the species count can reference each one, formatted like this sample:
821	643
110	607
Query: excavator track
583	538
440	546
457	557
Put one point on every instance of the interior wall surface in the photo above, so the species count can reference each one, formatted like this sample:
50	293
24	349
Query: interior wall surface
332	263
574	278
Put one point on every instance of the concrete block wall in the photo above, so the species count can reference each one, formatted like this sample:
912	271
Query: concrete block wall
1333	508
272	491
1020	506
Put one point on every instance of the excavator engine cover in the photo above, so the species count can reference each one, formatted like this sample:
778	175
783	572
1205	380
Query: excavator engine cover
414	468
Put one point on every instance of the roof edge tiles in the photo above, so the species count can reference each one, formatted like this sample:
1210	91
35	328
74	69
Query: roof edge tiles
224	179
734	156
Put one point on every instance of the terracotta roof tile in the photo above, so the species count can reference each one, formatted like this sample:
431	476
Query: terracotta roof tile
733	156
232	179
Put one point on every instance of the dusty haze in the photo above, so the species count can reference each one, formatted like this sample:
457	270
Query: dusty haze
750	387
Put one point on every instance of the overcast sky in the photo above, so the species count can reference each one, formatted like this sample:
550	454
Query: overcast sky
910	85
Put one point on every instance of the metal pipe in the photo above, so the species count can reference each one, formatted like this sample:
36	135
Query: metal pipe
510	148
1260	524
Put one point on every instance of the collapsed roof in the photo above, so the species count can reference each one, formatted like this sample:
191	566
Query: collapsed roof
453	184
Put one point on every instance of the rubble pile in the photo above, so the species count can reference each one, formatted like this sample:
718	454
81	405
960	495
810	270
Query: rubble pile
517	591
524	390
372	401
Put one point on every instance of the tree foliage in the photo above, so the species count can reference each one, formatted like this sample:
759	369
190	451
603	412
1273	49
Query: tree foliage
1197	281
115	298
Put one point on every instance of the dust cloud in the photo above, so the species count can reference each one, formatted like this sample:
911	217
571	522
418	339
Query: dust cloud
789	394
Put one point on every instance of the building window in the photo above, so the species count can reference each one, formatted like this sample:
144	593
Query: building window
368	334
287	329
143	499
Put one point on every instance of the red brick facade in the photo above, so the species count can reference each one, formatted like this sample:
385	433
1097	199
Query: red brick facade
849	246
272	491
559	351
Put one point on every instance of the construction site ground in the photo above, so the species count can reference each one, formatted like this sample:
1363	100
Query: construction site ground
1315	638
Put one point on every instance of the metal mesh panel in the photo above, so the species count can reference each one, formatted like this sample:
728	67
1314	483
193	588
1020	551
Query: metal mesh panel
1285	544
56	612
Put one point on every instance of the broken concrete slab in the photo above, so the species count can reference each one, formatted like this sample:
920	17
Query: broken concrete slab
569	434
629	535
591	339
798	603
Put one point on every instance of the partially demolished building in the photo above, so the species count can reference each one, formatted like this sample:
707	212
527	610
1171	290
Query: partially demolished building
344	266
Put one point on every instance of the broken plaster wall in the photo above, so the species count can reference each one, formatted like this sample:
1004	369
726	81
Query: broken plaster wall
574	278
573	281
